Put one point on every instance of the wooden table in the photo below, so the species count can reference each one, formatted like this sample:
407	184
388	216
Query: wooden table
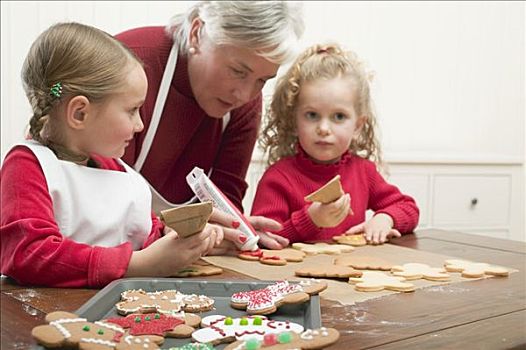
482	314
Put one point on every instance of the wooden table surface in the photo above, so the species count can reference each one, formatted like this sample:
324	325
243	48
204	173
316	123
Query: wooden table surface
482	314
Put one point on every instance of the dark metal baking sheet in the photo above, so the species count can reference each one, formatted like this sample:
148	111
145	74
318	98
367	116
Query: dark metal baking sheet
102	305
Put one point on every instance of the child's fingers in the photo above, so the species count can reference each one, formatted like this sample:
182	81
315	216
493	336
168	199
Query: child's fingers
356	229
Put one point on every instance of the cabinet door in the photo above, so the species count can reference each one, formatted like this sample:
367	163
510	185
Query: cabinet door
471	200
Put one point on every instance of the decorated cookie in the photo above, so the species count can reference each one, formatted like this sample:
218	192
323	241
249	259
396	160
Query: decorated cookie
374	281
470	269
273	257
329	192
335	271
354	240
221	329
364	263
309	339
415	271
322	248
198	270
267	300
163	325
165	302
67	330
188	219
194	346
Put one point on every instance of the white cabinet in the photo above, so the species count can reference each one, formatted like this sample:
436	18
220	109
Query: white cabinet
478	197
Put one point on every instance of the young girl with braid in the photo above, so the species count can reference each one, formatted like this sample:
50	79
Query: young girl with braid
320	124
72	213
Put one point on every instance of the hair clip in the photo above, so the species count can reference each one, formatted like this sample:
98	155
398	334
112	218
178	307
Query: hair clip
56	90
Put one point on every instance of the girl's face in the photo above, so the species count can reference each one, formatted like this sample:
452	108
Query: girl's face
325	118
113	123
226	77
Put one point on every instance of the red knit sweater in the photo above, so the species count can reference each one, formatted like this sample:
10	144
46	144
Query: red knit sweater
282	188
186	137
33	251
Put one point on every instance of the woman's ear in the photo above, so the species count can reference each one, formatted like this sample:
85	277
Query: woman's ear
194	40
77	111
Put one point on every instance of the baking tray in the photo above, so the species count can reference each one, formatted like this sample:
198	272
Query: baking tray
102	304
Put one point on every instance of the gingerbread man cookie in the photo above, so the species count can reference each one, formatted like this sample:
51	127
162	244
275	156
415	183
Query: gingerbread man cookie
353	240
165	302
194	346
335	271
322	248
163	325
273	257
375	281
470	269
309	339
221	329
364	263
266	301
67	330
415	271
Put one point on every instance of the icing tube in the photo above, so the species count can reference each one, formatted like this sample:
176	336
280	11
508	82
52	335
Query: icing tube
205	190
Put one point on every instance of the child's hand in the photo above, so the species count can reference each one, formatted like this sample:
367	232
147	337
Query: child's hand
377	230
171	253
330	214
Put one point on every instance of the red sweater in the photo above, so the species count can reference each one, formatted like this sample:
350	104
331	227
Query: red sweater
282	188
33	251
186	137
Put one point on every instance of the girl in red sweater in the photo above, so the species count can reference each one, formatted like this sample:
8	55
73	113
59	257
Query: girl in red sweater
320	124
72	213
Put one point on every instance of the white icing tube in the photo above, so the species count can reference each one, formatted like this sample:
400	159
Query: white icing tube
205	190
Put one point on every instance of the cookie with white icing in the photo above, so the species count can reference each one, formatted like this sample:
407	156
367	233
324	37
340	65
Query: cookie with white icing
309	339
222	329
165	302
266	300
67	330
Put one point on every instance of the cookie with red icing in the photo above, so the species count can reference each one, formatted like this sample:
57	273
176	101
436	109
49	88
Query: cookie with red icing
164	302
218	329
273	257
67	330
309	339
267	300
175	326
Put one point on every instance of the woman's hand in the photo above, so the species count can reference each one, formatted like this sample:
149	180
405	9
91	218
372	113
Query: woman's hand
330	214
267	239
376	230
170	253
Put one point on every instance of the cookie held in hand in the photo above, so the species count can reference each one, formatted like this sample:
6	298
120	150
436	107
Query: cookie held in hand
328	193
267	300
189	219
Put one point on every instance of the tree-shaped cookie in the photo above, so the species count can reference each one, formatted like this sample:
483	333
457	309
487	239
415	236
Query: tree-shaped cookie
470	269
415	271
165	302
266	300
67	330
273	257
322	248
221	329
375	281
163	325
309	339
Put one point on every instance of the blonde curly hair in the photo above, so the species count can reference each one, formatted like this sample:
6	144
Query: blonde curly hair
279	136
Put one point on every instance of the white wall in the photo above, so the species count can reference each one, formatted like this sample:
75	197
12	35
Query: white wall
449	75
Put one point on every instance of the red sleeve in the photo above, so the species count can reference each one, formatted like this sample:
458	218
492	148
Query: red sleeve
33	250
272	202
387	198
235	153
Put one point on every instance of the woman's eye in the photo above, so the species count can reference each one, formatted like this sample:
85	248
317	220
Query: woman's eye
238	73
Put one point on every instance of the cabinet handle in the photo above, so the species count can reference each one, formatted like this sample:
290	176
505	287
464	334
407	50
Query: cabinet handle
474	201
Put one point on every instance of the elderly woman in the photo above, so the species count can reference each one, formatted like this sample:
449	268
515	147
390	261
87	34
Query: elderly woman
203	107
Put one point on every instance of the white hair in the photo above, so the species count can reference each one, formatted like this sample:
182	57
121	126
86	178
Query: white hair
270	28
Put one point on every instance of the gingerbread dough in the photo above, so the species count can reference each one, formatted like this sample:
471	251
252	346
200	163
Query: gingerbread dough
335	271
374	281
322	248
414	271
470	269
364	263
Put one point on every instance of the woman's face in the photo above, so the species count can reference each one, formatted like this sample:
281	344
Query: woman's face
226	77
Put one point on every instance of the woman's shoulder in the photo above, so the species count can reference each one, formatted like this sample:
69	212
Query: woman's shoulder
152	37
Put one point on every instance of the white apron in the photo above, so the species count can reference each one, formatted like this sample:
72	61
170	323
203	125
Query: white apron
96	206
158	201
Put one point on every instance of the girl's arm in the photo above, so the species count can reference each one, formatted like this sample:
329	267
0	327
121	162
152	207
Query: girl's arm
33	251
